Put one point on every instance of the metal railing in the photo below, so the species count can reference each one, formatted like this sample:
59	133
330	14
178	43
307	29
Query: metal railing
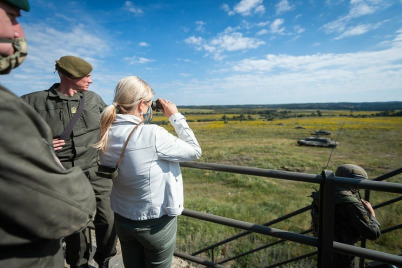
324	243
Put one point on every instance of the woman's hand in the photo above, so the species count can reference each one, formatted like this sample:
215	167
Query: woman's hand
169	108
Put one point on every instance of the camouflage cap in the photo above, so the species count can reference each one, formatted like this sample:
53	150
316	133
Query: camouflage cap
351	171
73	67
21	4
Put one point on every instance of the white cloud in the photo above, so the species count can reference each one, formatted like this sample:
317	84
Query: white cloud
226	7
259	9
235	41
265	23
184	59
357	9
276	26
346	77
46	44
192	40
322	62
143	44
224	42
358	30
137	60
262	32
246	8
200	26
130	7
362	7
283	6
298	29
232	29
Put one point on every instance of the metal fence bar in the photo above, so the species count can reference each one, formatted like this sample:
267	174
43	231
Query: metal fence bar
367	253
375	184
287	216
391	201
303	239
388	175
367	198
259	248
391	187
293	260
197	260
295	176
390	229
279	174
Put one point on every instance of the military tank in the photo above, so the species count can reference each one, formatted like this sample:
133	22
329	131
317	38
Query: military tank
318	142
321	132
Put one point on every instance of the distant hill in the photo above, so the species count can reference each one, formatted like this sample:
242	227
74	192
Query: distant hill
355	106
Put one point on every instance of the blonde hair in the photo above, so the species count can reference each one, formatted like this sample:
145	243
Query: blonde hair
128	94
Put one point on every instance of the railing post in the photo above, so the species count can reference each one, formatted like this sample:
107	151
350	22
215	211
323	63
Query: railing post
326	225
363	242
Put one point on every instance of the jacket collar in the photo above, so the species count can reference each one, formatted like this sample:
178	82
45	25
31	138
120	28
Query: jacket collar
53	93
124	118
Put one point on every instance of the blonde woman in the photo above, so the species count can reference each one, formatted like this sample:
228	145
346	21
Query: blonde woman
147	194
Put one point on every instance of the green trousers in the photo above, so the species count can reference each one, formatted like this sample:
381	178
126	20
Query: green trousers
77	246
148	243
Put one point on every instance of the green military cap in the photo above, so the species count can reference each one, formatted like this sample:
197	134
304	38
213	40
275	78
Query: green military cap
351	171
21	4
73	67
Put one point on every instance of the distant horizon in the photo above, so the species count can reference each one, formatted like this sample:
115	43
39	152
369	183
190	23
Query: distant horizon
299	103
213	52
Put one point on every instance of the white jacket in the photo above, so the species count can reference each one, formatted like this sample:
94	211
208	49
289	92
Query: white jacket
149	184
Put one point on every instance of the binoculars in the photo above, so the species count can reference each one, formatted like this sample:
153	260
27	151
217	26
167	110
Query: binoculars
156	105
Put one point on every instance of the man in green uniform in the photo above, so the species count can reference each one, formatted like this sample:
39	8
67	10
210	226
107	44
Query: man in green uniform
63	103
40	200
354	217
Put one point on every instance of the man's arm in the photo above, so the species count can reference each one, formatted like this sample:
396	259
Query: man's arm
39	199
363	221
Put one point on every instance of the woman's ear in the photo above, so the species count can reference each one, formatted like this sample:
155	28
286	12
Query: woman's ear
142	106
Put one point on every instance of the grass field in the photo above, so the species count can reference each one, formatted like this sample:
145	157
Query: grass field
374	143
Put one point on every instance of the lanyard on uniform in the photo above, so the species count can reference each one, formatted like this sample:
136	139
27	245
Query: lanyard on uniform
67	131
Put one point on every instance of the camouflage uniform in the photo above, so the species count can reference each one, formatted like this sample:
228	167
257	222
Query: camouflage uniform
352	221
57	109
40	201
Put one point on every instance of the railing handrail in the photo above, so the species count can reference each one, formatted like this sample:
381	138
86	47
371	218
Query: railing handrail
295	176
287	216
332	182
256	228
303	239
284	217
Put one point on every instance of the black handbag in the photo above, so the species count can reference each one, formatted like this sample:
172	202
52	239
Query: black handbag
112	172
106	172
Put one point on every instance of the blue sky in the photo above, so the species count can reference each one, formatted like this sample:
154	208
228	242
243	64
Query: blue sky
212	52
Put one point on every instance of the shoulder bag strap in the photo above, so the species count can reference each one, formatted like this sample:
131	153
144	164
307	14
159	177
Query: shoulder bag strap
125	144
67	131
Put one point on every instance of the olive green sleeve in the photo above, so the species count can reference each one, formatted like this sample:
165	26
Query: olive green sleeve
367	225
39	199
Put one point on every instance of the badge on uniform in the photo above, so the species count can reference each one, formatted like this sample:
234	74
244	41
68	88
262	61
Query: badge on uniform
73	110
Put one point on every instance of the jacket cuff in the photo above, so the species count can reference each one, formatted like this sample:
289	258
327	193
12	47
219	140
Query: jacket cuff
174	118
